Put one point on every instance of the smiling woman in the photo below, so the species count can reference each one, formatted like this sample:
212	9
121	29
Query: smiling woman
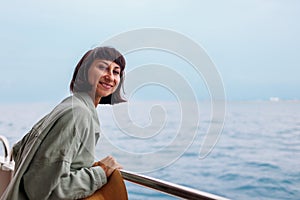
56	158
103	66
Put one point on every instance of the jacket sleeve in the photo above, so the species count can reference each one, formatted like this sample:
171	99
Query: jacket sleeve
82	183
43	183
62	167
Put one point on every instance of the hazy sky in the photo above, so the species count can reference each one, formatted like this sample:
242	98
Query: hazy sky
255	44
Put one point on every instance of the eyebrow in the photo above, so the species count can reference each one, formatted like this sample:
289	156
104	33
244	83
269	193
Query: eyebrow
108	63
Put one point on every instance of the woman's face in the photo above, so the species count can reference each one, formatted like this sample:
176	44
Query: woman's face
104	76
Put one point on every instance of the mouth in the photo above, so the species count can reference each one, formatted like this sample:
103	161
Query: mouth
106	85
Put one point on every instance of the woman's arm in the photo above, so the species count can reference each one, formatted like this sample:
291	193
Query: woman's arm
56	181
62	167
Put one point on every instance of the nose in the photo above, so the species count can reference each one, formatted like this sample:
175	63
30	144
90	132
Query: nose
109	75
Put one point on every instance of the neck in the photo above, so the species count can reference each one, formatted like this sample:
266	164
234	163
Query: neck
96	99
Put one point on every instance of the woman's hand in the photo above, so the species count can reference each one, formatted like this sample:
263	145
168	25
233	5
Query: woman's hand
108	164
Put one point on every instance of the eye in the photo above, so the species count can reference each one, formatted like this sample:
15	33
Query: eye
102	67
116	72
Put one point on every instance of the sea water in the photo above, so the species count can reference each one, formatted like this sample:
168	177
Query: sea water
256	156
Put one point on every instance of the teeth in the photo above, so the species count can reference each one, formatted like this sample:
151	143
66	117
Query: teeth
106	85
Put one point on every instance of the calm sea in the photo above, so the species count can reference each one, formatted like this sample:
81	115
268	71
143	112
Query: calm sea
257	155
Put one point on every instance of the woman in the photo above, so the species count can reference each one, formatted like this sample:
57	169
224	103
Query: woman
55	160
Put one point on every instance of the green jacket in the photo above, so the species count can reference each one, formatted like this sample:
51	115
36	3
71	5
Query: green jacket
54	160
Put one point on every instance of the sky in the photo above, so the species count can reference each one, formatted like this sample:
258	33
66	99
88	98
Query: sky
254	44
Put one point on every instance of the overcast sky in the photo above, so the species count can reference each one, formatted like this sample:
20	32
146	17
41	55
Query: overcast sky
254	44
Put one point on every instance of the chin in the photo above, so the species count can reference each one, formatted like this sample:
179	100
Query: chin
103	94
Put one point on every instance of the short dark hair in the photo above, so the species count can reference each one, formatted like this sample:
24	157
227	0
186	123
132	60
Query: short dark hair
80	83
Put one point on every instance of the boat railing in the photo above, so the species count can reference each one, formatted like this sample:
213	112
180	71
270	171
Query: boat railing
145	181
168	187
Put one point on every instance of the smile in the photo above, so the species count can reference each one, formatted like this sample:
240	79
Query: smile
106	85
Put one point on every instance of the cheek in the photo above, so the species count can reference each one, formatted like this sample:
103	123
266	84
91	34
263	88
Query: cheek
118	81
93	77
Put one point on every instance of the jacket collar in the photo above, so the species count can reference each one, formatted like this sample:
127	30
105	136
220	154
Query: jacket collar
88	102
